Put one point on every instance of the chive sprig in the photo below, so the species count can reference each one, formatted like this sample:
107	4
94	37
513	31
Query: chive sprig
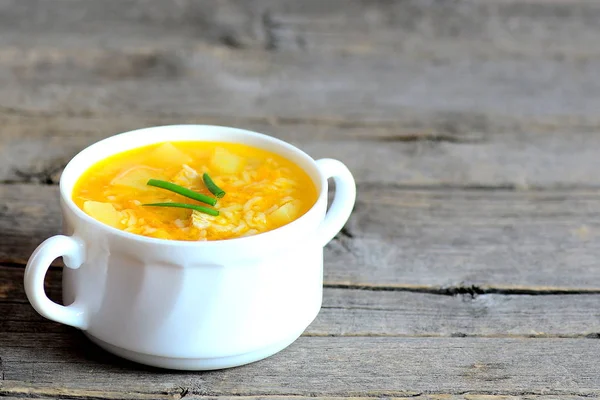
182	191
212	186
190	194
206	210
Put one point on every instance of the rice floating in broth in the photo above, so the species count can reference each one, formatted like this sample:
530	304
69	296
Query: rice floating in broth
248	191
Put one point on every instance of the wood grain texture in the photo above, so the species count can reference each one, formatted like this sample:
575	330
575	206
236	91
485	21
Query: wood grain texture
469	267
339	366
493	27
497	93
224	82
352	312
389	313
415	152
466	240
41	393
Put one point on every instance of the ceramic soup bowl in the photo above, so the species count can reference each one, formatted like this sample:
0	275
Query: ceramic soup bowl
190	305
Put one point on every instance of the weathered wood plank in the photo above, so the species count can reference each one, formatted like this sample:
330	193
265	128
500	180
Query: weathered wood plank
508	58
446	150
12	290
224	82
413	93
404	100
427	239
482	238
367	313
356	366
25	390
485	82
521	28
503	58
389	313
352	312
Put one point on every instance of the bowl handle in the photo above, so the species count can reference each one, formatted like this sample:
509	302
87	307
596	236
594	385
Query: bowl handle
343	201
72	249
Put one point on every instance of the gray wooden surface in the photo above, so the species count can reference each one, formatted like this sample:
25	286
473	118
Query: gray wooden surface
469	268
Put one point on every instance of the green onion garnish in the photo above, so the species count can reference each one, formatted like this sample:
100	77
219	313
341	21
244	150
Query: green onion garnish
214	189
205	210
182	191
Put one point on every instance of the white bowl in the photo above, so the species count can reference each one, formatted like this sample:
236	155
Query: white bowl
190	305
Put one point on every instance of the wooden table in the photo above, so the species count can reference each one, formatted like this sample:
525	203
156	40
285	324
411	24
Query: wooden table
470	266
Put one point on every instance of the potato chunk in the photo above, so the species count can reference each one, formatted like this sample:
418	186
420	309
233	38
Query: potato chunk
225	162
103	212
286	213
136	178
167	155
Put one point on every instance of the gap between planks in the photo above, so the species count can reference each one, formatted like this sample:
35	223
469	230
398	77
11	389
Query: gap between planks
351	312
471	291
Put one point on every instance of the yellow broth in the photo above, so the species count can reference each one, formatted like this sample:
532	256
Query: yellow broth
263	190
